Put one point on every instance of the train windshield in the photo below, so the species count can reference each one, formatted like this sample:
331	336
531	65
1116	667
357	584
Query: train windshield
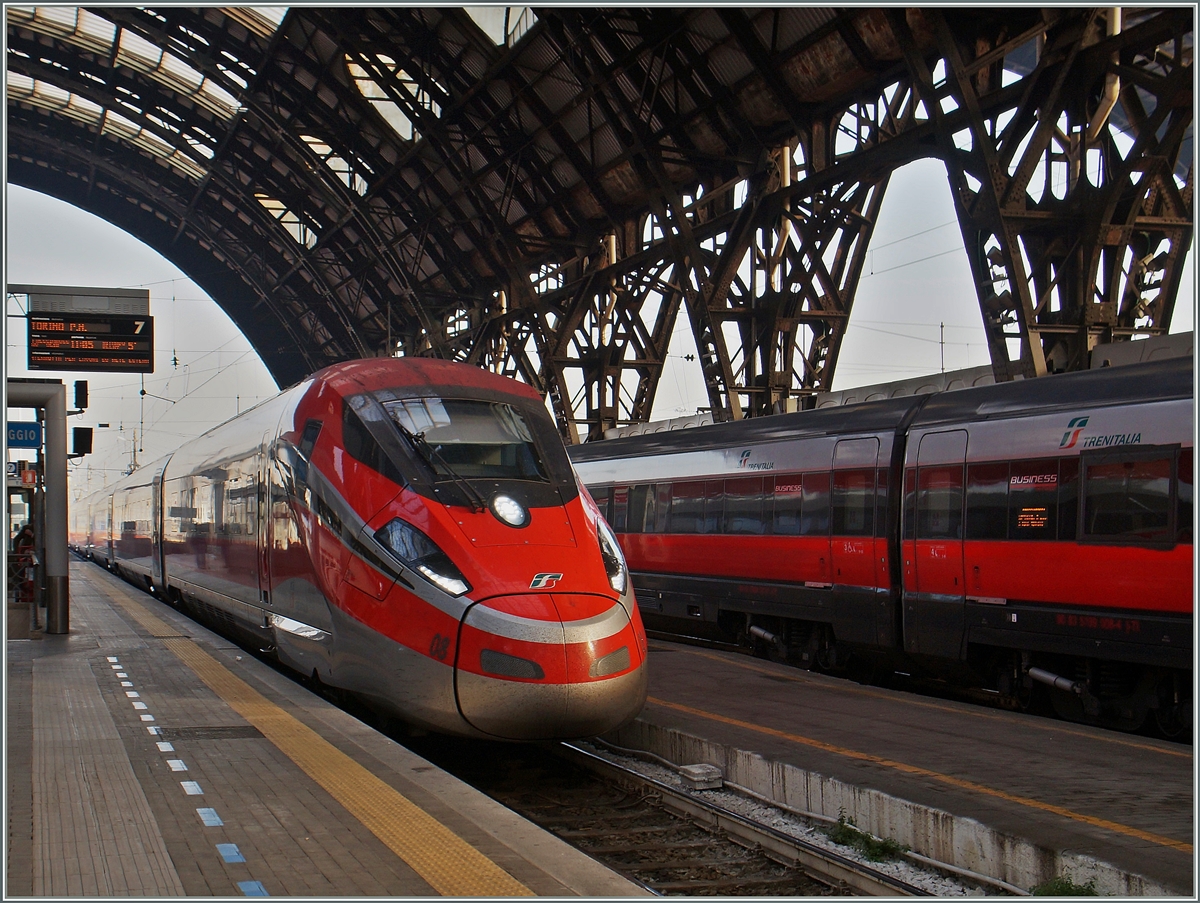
471	438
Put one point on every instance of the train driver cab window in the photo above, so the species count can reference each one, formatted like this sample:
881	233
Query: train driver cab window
1033	500
362	446
475	438
1127	498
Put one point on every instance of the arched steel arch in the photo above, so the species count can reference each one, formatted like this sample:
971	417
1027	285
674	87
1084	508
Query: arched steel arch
573	192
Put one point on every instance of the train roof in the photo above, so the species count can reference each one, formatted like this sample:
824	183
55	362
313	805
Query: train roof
1131	384
1160	380
421	373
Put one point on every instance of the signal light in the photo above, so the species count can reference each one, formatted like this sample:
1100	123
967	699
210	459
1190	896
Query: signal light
81	441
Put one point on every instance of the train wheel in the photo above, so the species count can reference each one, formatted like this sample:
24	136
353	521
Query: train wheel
1173	715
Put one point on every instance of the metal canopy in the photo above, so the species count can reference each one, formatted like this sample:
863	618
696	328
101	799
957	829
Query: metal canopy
544	191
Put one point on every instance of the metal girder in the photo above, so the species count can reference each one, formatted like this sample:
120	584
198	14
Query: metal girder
1075	217
558	201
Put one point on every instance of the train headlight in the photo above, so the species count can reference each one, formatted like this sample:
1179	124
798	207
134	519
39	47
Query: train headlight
509	510
423	555
614	561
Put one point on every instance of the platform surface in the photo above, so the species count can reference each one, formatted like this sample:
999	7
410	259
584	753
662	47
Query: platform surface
1122	799
150	757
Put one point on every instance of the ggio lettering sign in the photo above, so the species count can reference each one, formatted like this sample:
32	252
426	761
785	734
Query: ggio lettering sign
24	435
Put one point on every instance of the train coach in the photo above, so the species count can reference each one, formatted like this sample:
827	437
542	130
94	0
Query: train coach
1032	532
407	530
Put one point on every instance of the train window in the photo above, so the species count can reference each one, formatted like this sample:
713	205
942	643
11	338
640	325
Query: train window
714	505
475	438
744	506
939	502
853	502
1127	499
987	501
910	503
308	439
789	492
663	512
641	509
814	517
1183	517
687	507
603	500
1033	500
620	507
1068	499
881	501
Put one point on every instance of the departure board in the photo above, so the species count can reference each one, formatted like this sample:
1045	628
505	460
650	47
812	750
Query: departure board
91	342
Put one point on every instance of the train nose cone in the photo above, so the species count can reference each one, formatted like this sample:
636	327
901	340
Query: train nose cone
549	666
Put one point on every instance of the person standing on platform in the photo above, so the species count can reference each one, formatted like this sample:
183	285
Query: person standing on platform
24	563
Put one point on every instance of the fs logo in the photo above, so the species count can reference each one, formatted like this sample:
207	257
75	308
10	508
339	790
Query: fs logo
544	581
745	458
1074	428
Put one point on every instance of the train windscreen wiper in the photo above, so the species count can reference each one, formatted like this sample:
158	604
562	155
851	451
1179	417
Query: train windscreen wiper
433	458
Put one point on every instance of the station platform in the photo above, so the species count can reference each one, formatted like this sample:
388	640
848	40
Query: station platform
1020	798
149	757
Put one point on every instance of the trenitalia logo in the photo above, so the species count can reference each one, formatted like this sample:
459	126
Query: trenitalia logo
744	462
1074	428
544	581
1071	437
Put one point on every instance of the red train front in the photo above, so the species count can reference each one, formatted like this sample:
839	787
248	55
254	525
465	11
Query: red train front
410	531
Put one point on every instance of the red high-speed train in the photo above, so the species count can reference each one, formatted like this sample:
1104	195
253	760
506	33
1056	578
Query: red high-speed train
1033	531
408	530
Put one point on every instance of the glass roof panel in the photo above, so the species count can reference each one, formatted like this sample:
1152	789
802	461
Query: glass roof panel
503	24
301	232
118	126
76	26
174	73
379	98
264	21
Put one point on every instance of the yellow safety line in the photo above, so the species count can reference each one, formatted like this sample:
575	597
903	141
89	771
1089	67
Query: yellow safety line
1051	727
450	865
935	775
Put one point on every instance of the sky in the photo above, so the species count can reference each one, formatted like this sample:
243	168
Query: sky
915	280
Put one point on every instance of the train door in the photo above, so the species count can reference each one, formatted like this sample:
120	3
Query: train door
934	608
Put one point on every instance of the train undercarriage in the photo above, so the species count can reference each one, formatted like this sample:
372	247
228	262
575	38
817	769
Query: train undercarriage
1122	696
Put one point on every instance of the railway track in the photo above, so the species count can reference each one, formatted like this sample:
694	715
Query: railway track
664	838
